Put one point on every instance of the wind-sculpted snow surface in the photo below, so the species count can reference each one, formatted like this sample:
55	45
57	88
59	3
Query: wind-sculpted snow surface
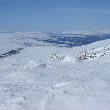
43	76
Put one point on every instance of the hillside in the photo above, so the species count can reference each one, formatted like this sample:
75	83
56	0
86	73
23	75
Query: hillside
39	75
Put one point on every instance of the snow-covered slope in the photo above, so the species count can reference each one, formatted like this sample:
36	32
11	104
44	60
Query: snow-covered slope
35	75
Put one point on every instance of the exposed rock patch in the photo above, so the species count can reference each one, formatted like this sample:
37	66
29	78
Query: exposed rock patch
11	52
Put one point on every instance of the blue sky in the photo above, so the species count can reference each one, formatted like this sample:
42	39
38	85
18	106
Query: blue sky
54	15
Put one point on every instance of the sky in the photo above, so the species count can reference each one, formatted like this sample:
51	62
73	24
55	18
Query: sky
54	15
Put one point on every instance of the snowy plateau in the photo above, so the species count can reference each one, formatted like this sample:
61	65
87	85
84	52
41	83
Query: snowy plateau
38	72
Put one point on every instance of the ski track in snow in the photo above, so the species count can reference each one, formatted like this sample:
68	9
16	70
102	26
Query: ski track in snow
43	76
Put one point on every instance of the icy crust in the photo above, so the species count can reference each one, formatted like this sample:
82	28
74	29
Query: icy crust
46	77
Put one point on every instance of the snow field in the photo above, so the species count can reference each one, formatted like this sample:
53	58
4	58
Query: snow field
47	77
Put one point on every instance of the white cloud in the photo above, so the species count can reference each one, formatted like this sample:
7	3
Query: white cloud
81	9
4	0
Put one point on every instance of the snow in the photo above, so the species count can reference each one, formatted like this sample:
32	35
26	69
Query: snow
43	76
88	32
